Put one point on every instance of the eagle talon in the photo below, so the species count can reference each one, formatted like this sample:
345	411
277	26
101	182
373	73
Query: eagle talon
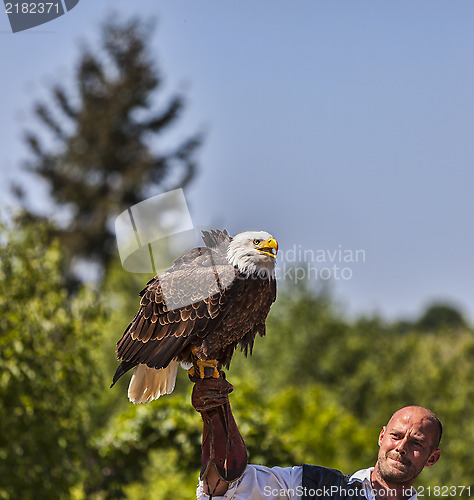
206	369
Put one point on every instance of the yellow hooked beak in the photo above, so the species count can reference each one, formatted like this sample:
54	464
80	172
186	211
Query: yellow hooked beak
269	247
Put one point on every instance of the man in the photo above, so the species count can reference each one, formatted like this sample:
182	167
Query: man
408	443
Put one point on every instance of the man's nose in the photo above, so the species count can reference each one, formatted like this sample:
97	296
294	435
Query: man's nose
401	446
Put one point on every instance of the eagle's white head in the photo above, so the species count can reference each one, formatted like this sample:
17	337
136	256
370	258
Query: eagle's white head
253	252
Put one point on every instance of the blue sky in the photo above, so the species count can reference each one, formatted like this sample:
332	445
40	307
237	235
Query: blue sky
331	124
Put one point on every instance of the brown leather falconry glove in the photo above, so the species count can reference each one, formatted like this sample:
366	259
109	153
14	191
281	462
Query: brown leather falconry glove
222	445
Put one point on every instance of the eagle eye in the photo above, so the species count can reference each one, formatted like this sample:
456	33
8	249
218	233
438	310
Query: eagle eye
256	242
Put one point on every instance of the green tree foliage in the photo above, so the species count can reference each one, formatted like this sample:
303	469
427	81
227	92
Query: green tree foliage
166	428
439	316
49	374
292	426
101	155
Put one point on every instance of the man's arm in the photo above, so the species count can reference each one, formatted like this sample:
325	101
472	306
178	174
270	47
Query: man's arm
224	456
260	483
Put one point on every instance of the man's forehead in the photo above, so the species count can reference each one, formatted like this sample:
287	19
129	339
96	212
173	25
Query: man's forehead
418	422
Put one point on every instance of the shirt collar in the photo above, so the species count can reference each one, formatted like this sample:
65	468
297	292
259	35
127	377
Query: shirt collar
363	476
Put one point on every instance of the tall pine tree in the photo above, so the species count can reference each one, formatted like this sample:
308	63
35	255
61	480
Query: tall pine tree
105	155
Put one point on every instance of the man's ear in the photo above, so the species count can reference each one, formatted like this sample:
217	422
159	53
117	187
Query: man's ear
382	432
434	457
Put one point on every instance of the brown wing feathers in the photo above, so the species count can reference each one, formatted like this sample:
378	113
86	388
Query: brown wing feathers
157	334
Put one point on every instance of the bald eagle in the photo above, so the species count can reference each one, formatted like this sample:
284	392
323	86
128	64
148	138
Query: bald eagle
212	299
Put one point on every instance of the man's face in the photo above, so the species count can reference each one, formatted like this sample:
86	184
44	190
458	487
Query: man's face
406	446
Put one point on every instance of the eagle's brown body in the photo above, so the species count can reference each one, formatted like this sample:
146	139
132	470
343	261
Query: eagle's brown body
202	307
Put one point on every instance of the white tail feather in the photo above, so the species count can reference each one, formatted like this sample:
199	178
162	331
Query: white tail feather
148	384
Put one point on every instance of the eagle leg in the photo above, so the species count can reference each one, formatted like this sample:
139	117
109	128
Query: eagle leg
206	368
192	370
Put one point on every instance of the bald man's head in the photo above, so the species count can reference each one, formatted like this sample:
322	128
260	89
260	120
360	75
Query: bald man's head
423	414
407	444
